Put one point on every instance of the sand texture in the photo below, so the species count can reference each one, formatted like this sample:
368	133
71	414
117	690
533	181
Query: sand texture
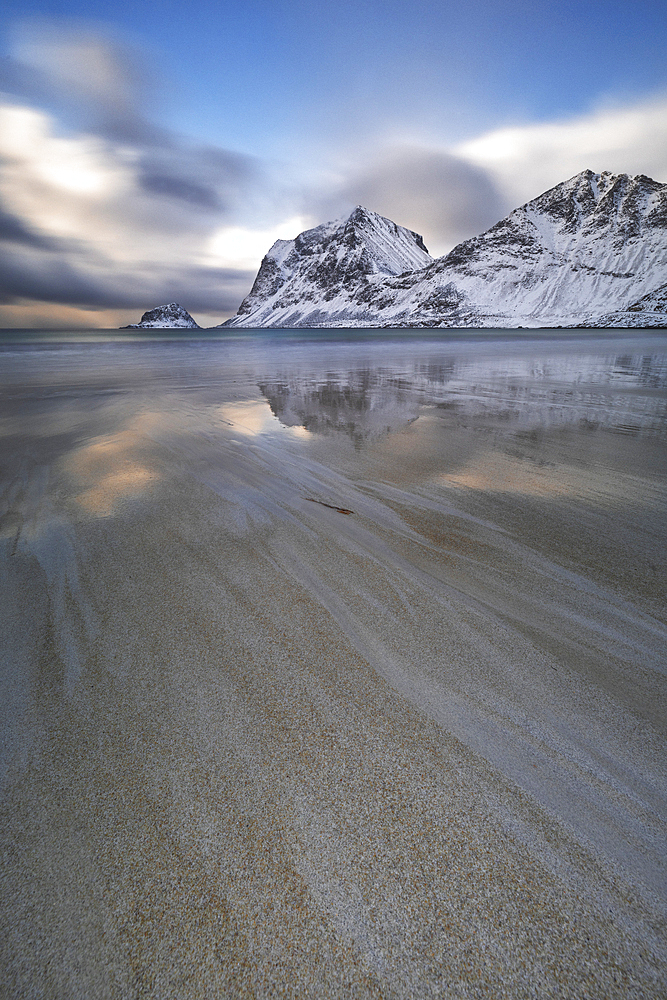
334	669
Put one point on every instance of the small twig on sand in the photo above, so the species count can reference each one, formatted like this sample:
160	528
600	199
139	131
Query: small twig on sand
341	510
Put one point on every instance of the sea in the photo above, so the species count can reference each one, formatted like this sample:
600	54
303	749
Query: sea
504	420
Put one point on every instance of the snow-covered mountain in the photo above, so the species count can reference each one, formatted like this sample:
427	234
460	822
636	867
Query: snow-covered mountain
590	251
332	274
168	317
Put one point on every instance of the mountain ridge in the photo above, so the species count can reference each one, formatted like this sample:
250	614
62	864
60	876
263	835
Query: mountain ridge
591	246
591	251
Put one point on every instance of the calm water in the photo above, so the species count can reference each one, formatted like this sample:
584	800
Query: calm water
561	440
526	400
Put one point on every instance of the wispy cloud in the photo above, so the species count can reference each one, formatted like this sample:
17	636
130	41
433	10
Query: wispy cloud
89	72
116	214
528	159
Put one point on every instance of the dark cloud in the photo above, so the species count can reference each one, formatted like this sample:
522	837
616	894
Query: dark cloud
440	196
201	177
13	230
174	187
48	278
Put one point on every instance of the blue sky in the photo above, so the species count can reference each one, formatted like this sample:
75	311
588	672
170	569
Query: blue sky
144	135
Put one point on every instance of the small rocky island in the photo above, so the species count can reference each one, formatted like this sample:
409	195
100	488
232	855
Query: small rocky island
168	317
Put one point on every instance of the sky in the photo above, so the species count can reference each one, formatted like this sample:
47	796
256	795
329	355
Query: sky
153	152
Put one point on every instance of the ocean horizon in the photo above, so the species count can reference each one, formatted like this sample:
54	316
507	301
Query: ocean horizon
15	336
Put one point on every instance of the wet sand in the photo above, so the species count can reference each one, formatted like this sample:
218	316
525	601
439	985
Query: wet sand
334	669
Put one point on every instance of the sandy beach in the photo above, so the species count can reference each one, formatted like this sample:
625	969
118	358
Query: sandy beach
334	668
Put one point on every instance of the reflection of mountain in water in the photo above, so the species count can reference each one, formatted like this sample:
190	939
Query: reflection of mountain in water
361	404
623	393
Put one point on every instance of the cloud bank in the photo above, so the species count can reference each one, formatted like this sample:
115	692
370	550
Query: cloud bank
525	160
115	214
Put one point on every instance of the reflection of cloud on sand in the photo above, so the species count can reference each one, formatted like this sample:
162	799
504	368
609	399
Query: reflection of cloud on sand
108	470
102	498
494	471
497	472
253	417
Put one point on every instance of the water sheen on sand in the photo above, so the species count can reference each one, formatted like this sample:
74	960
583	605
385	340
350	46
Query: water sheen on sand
333	666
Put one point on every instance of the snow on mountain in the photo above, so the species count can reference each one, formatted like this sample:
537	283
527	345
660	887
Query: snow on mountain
332	274
168	317
590	251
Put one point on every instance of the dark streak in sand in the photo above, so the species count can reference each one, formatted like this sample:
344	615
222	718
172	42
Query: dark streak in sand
341	510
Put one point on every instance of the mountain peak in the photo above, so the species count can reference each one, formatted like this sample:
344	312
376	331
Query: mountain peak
360	216
591	204
383	238
360	212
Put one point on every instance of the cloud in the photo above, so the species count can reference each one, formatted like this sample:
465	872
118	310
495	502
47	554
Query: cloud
89	72
240	245
113	215
13	230
528	159
47	277
29	274
82	61
197	195
205	178
443	197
